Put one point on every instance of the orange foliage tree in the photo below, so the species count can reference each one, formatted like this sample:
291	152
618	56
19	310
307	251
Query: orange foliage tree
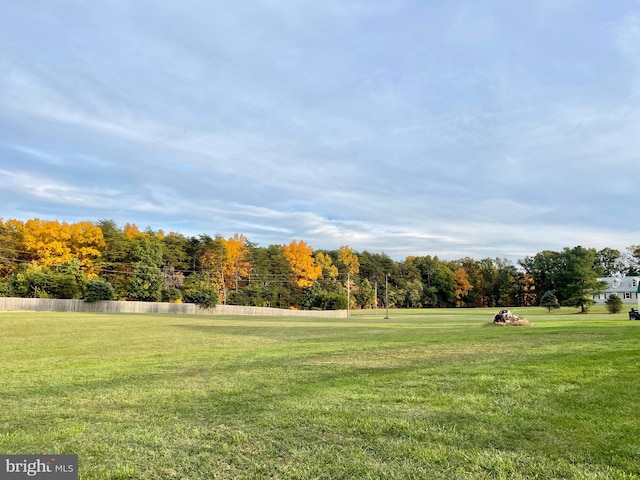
463	286
302	263
527	291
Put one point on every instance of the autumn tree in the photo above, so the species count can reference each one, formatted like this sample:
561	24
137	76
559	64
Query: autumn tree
131	230
86	243
473	269
525	290
304	267
463	287
349	259
327	292
236	264
350	264
48	241
325	262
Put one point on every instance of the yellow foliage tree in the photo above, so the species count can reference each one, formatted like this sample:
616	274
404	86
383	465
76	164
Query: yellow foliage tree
86	244
50	243
302	263
349	259
236	266
329	270
131	230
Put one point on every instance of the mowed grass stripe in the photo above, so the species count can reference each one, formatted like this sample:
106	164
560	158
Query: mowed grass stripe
425	394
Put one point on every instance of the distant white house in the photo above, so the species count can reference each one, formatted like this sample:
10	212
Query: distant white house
625	287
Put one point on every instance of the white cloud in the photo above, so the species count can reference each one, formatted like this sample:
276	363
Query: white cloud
46	189
333	122
40	154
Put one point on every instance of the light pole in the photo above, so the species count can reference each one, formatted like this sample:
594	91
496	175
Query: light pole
386	293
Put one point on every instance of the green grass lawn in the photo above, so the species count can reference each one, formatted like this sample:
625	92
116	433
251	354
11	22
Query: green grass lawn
425	394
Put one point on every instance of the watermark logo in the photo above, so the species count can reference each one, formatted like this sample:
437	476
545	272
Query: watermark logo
44	467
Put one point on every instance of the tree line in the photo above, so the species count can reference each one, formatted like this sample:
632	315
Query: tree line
101	260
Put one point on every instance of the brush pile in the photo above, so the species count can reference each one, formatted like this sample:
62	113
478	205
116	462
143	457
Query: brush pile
506	317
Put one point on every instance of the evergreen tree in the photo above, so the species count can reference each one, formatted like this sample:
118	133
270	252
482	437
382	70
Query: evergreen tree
549	301
579	278
614	303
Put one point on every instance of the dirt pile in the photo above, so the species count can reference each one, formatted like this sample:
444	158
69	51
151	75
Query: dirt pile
506	317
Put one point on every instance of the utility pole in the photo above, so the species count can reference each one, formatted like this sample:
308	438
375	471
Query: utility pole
386	294
349	293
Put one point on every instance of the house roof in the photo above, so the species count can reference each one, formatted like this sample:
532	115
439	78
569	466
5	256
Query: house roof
622	284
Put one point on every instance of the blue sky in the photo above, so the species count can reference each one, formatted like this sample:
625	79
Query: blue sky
450	128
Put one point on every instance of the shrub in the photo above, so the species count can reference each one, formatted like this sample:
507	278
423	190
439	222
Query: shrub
65	281
171	294
5	289
98	290
614	303
203	297
329	301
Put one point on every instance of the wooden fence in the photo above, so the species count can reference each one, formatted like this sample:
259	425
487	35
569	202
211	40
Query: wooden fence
109	306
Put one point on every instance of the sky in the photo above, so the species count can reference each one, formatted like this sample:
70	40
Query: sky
481	128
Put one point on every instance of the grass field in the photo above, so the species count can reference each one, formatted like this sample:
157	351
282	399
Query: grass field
426	394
